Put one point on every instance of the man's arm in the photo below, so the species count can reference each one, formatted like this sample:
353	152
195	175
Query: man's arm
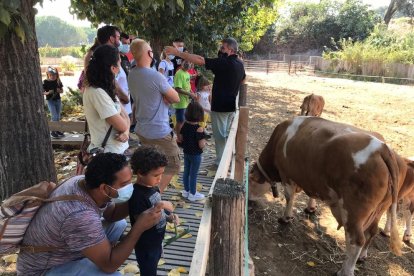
181	91
196	59
172	96
115	212
123	97
108	258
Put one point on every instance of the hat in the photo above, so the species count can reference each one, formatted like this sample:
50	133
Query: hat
52	70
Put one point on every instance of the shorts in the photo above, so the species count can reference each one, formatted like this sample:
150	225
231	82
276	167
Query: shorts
205	120
179	115
168	145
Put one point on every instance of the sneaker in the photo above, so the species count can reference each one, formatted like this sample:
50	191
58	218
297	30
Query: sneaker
53	134
60	134
184	193
197	196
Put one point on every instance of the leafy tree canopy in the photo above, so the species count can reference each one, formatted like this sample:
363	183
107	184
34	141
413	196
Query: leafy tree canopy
313	25
55	32
201	23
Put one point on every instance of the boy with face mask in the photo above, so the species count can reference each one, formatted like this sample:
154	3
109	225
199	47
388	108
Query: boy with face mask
123	51
176	60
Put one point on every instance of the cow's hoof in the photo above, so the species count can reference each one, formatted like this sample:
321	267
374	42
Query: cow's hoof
407	239
384	234
285	220
361	260
310	211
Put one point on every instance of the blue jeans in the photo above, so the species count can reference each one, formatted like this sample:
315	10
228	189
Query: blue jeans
191	166
85	266
220	123
55	106
148	260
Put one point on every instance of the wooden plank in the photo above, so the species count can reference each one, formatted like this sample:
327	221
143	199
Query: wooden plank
68	139
241	142
72	126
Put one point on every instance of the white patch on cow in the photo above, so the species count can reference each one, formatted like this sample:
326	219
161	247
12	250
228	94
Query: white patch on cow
292	129
362	156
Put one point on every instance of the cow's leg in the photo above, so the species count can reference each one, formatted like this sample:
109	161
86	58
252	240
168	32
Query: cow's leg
290	195
353	250
387	227
408	216
369	234
311	209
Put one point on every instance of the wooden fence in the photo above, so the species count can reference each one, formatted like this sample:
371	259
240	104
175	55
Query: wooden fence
231	167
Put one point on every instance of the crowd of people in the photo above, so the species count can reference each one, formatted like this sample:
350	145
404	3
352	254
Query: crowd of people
124	91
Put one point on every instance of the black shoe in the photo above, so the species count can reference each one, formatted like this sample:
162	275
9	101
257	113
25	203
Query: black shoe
53	134
60	134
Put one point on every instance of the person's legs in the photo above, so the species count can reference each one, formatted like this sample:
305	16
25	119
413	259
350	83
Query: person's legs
82	267
148	261
58	106
220	125
114	230
179	116
186	173
53	110
195	166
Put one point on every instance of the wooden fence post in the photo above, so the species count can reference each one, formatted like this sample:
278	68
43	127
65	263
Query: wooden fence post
227	229
241	142
243	95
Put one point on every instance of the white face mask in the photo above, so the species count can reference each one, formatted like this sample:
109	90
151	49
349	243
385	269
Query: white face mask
124	48
171	57
124	193
181	49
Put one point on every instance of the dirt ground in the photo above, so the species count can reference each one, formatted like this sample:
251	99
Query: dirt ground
312	245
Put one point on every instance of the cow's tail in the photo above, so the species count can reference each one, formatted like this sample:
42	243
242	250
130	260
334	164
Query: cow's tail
392	164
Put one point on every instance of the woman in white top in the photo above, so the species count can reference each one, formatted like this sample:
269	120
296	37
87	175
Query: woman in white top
102	107
166	67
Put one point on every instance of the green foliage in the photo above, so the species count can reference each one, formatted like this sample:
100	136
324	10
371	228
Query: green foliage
68	66
312	25
71	102
60	52
202	23
383	46
53	31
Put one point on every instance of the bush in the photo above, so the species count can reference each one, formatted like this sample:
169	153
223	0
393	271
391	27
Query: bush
74	51
68	66
72	103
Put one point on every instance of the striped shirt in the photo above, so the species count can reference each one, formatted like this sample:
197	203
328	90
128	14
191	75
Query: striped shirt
71	225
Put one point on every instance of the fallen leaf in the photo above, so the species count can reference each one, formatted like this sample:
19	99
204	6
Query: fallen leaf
175	198
211	173
187	236
174	272
182	269
161	262
187	206
10	258
167	237
199	187
256	257
182	221
312	264
131	268
170	226
198	214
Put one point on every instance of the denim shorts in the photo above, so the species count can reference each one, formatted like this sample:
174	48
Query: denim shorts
179	115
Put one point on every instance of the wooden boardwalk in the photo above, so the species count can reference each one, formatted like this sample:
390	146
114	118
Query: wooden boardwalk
180	252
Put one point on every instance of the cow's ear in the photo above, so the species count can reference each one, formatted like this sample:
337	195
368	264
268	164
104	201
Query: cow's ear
256	176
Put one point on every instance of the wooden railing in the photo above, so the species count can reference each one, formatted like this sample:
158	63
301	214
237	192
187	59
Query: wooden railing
231	166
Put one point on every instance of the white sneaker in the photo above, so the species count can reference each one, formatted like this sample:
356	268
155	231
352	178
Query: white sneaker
195	197
184	193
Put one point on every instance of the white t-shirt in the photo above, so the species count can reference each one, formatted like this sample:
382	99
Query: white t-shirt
98	106
168	68
122	81
204	101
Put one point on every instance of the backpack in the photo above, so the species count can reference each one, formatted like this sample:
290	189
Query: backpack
18	210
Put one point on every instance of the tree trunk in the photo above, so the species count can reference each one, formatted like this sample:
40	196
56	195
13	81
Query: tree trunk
26	155
392	8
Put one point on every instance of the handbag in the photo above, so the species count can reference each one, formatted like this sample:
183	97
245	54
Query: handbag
85	156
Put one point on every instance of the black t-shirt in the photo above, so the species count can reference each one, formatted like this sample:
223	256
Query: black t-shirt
125	64
142	199
228	75
52	85
177	61
191	138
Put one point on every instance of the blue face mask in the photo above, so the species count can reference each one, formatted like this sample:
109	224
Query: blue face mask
123	48
124	193
171	57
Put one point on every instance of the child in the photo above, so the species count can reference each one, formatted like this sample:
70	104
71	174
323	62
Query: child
183	87
148	164
193	142
204	98
53	87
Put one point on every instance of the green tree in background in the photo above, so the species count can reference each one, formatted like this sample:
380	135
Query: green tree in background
202	23
55	32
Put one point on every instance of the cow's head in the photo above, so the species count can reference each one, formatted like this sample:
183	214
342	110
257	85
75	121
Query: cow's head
258	186
304	108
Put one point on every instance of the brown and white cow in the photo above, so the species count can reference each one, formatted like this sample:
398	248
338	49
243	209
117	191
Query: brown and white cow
353	171
312	105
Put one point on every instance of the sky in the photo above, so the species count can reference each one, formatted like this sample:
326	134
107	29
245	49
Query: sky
60	8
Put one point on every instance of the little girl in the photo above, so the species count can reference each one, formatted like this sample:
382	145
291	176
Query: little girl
204	98
193	142
53	87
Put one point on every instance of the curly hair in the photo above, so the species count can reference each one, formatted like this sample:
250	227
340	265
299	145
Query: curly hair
146	159
99	73
194	112
103	168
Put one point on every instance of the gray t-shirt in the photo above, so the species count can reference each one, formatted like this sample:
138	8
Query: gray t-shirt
71	225
147	88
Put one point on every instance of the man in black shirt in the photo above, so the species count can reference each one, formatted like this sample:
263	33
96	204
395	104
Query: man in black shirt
228	73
